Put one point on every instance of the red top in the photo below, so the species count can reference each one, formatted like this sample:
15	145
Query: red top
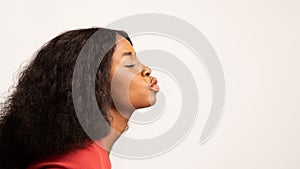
91	157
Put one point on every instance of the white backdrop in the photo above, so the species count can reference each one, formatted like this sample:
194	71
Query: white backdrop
257	43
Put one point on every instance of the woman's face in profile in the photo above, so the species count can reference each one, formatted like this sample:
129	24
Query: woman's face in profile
132	87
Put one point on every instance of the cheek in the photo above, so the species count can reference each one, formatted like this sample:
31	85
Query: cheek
137	88
140	94
130	90
120	84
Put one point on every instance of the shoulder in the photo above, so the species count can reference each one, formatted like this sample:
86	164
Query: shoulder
90	157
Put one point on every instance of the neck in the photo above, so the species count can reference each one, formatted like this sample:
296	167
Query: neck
118	122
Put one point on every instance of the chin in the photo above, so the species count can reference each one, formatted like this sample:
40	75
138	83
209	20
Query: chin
150	101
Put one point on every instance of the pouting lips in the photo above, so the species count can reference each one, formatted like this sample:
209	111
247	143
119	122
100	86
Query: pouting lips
154	85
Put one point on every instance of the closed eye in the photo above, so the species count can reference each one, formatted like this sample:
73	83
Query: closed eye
130	65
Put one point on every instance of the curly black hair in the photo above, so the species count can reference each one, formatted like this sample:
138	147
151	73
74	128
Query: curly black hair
38	118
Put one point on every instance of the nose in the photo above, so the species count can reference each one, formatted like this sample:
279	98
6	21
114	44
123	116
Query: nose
146	71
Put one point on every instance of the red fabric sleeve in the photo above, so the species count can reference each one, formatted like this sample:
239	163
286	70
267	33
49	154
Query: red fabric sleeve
91	157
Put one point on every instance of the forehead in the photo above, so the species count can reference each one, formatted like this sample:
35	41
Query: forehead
123	45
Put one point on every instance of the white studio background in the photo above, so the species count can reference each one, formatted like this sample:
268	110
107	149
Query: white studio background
256	41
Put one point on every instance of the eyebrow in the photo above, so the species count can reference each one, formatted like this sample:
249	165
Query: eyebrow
128	53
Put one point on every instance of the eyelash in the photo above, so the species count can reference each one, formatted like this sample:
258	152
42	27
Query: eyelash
130	65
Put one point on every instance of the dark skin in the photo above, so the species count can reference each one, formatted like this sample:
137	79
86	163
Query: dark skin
132	88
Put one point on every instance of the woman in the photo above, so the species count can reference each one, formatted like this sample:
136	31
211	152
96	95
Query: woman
49	120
